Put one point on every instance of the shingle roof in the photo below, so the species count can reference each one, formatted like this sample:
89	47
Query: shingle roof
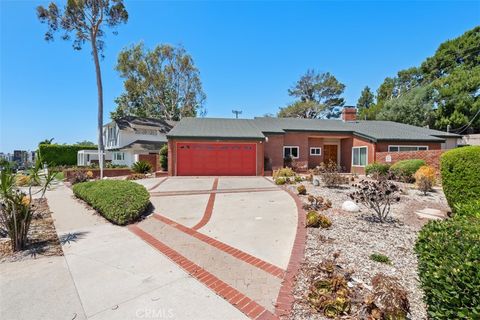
132	122
145	145
255	129
216	128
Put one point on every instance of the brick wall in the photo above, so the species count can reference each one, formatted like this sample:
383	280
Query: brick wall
153	159
431	157
114	172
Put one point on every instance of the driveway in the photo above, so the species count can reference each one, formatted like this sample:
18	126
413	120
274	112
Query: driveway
235	231
214	248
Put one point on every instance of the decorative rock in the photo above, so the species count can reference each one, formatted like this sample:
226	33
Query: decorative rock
350	206
316	182
430	214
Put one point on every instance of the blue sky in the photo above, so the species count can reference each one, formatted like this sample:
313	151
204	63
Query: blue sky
248	53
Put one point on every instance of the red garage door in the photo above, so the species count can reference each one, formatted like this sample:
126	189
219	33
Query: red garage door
216	159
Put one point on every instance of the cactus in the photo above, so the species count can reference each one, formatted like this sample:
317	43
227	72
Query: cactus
312	219
324	221
302	190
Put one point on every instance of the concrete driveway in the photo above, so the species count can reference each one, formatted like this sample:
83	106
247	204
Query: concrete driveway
239	231
215	248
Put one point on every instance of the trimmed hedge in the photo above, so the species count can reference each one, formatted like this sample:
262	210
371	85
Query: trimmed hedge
61	154
164	157
377	168
119	201
460	169
406	168
449	267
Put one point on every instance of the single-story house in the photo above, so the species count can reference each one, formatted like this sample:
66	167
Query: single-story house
239	147
131	139
89	157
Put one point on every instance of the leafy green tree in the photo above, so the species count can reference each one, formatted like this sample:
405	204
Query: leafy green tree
318	95
301	109
365	102
85	143
458	99
46	141
453	73
86	20
160	83
414	107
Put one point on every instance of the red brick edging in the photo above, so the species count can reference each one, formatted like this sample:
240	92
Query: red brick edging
209	209
285	298
239	254
157	184
243	303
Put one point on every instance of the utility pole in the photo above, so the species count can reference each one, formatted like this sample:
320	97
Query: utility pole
237	112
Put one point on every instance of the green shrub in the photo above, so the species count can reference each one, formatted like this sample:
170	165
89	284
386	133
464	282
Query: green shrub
471	208
378	257
405	169
119	201
377	169
460	169
449	267
141	167
61	154
164	157
280	181
283	172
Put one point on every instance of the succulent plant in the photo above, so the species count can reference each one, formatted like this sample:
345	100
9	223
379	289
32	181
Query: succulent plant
302	190
324	221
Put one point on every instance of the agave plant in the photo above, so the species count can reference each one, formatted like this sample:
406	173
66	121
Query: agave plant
141	167
17	207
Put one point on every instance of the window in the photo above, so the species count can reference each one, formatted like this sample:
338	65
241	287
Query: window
292	152
359	156
119	156
406	148
315	151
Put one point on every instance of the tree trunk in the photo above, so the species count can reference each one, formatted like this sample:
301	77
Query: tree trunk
101	148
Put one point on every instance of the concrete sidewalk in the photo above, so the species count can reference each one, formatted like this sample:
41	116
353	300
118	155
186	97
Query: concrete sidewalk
107	273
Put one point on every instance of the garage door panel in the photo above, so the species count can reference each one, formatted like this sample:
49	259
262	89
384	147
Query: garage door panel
216	159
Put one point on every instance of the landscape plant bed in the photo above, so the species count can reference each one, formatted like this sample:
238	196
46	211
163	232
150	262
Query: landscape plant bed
355	237
119	201
43	239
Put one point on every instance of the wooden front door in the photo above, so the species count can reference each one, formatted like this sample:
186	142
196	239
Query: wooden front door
330	152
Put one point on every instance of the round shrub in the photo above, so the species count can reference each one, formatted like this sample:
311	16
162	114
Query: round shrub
449	267
119	201
460	170
425	178
164	157
377	169
405	169
280	181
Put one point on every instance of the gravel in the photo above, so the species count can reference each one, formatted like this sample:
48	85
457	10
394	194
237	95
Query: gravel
42	237
355	236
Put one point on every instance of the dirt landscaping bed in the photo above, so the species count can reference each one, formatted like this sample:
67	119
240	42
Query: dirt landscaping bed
353	237
43	239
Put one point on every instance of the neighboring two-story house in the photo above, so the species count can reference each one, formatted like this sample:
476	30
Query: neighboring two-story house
131	139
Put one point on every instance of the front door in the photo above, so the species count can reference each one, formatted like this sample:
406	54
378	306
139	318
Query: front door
330	153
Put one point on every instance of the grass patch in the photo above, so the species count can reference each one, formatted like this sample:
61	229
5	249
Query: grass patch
378	257
119	201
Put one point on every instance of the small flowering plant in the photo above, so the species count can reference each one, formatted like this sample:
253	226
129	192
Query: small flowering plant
377	195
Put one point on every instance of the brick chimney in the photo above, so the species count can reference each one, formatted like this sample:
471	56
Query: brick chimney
349	114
